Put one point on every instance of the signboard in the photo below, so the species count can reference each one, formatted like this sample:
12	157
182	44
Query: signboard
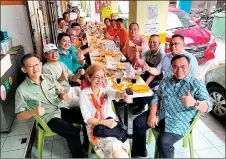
106	9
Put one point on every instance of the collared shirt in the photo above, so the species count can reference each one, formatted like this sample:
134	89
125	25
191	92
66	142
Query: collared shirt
111	30
168	97
69	59
87	108
153	59
130	52
28	94
55	69
166	68
123	37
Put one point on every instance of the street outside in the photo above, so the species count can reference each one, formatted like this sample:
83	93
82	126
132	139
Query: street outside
216	125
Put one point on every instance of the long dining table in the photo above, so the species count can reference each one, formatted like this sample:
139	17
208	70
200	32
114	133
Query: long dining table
107	52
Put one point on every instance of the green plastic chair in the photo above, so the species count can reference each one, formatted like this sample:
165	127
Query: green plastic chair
91	146
43	131
187	139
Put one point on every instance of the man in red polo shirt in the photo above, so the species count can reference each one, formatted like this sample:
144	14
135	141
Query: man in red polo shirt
122	34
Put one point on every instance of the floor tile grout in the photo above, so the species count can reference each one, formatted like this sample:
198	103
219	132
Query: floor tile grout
210	141
12	150
18	135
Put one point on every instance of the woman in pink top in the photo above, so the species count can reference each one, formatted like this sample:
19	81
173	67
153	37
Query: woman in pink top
135	46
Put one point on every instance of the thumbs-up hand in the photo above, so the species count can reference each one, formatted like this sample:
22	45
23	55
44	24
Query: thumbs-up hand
39	110
188	100
64	95
64	76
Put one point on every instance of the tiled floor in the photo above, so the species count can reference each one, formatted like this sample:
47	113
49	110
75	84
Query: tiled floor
13	145
206	144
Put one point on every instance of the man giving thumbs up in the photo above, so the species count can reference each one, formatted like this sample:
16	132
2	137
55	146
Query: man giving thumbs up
174	106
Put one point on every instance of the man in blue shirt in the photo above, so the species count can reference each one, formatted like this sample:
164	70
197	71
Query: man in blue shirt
67	53
178	99
177	47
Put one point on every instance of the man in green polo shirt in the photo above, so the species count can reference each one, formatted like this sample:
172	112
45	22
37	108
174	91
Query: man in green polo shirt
46	98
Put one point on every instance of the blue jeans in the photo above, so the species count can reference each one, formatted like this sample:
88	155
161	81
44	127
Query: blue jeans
165	141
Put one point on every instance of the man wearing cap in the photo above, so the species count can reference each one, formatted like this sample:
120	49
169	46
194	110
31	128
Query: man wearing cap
61	73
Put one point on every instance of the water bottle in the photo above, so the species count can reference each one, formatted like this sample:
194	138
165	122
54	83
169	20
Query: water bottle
128	67
117	42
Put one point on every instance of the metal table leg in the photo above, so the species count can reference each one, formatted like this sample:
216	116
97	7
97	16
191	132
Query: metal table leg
126	119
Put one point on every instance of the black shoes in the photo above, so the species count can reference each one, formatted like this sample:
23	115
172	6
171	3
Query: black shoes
136	155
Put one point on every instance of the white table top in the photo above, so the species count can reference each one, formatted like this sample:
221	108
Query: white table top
114	61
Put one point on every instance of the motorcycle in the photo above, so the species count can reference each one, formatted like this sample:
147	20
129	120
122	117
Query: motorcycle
206	19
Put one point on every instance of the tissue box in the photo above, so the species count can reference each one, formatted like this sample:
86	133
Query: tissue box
6	45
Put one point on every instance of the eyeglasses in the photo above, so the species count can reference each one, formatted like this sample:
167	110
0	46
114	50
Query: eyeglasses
175	44
33	66
179	67
99	78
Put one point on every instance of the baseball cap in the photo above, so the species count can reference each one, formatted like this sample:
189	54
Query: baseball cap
49	47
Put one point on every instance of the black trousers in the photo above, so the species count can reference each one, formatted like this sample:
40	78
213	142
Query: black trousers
165	141
63	127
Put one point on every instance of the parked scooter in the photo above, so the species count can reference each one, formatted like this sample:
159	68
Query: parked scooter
206	19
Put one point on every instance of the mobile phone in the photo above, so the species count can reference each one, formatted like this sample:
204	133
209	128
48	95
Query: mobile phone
129	91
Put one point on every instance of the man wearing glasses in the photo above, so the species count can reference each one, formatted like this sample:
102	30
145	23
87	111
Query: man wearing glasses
175	104
40	94
176	47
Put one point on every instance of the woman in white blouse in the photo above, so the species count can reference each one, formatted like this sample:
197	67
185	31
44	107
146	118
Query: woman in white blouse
95	104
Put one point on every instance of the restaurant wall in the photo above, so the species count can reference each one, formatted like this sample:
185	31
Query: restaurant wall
138	12
14	20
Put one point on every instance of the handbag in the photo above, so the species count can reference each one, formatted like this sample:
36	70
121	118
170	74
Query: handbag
119	131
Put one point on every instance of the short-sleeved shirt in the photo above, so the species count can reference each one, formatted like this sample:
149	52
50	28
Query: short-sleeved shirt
55	69
130	52
111	31
166	68
153	59
28	94
69	59
123	37
168	96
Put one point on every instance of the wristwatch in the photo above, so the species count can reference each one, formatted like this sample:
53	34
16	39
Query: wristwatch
196	104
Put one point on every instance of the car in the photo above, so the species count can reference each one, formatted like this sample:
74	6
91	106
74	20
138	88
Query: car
198	40
215	84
